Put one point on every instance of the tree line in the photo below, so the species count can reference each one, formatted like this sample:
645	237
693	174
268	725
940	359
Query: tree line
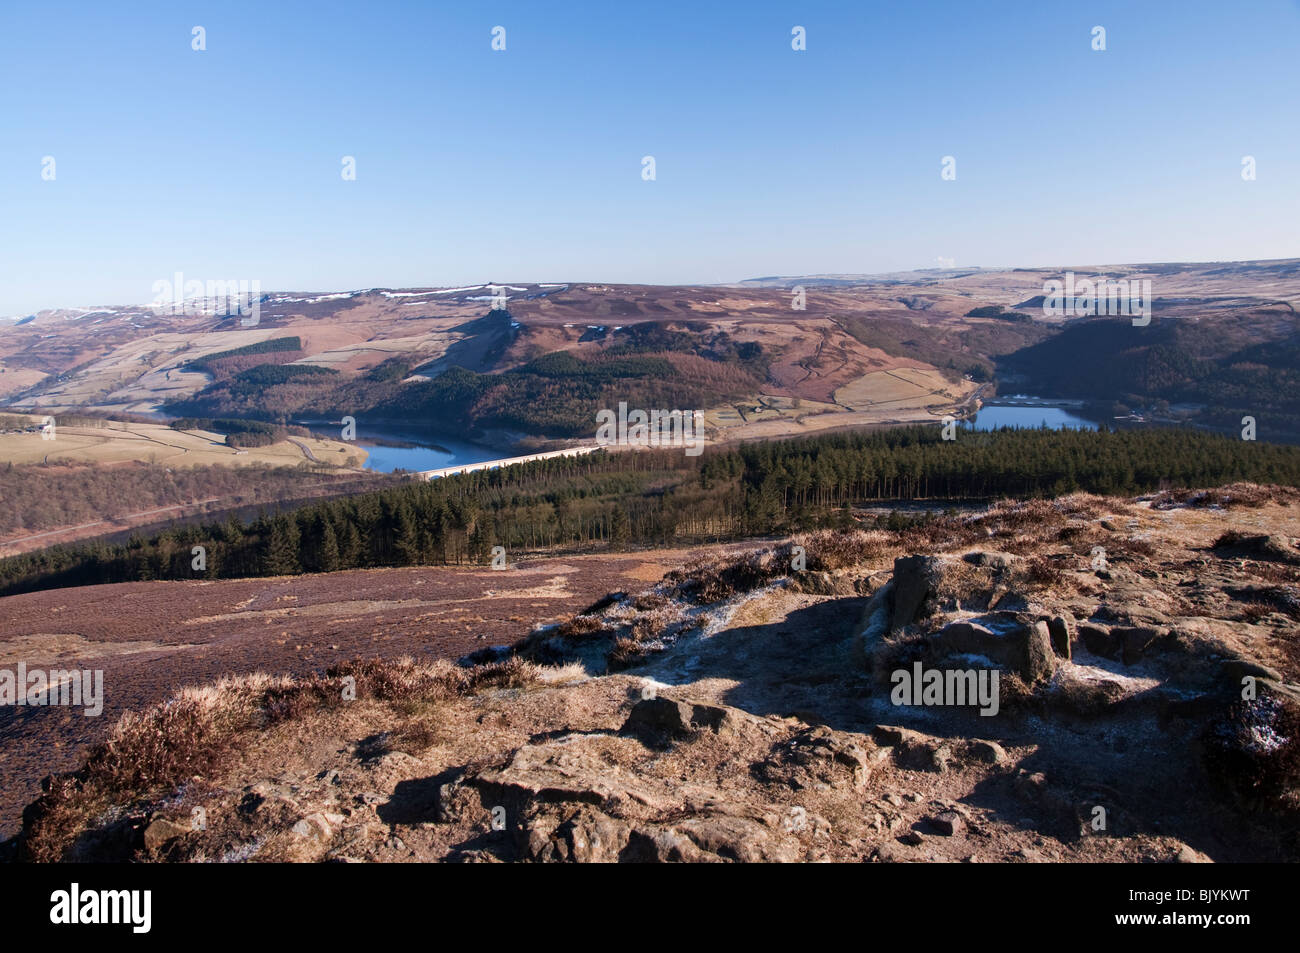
659	497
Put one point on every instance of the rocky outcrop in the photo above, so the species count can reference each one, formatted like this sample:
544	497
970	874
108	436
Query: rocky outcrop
660	720
1126	643
819	757
919	751
916	587
1270	548
1022	647
1059	629
161	830
564	800
1096	638
1113	693
999	561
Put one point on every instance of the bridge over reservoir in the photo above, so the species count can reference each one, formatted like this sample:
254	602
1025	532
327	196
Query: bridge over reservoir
508	461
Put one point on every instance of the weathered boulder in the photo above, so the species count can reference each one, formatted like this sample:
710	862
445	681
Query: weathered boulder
988	752
891	735
658	720
1058	627
314	827
715	837
817	757
991	560
915	750
738	839
916	586
1190	855
1272	548
719	719
1009	600
161	830
570	770
1097	639
876	618
663	845
587	836
1025	648
947	823
1134	640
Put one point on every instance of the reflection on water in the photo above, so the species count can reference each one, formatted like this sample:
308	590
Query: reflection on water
389	450
993	416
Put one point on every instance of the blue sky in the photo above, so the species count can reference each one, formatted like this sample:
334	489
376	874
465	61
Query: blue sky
525	165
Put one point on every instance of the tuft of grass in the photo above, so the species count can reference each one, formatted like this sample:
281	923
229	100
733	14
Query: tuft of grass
829	550
1254	611
625	653
704	581
1040	572
580	625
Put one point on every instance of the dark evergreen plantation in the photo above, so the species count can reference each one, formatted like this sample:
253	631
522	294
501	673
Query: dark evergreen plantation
662	496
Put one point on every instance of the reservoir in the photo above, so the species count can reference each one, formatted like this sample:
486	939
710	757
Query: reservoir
1029	416
390	449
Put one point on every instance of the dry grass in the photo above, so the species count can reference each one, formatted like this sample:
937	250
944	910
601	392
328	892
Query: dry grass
828	550
649	601
1255	611
964	583
195	733
704	581
1279	573
649	633
1261	602
1040	572
940	533
580	625
625	653
1135	547
1032	517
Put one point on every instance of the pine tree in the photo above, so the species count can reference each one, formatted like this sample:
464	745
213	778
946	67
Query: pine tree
280	548
321	554
350	555
406	537
329	549
232	531
617	526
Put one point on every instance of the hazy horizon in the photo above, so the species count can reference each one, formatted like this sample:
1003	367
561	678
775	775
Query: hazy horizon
533	280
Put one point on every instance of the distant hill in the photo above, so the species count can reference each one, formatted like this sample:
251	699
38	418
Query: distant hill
815	351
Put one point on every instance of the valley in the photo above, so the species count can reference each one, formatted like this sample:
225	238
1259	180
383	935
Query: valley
863	351
694	651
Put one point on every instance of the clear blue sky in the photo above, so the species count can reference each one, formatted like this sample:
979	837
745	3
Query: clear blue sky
475	165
